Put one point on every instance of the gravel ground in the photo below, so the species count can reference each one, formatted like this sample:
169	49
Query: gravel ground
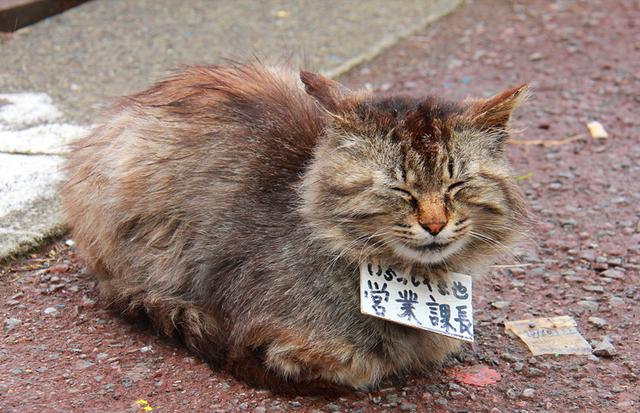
61	351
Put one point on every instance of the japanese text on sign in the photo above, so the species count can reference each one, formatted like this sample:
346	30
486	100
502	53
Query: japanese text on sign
438	304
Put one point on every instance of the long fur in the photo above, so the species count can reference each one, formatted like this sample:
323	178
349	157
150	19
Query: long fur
233	207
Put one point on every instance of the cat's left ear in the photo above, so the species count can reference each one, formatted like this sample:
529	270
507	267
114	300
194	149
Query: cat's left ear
327	92
495	112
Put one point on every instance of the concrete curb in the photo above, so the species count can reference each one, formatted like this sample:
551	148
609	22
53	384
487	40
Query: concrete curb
387	42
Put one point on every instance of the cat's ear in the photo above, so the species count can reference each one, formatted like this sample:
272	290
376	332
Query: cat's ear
495	112
327	92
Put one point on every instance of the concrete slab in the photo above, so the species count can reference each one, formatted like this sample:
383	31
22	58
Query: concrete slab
29	209
108	48
31	124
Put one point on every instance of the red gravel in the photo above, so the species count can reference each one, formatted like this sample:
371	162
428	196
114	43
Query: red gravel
582	60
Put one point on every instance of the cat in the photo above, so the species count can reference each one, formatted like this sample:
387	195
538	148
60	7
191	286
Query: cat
233	205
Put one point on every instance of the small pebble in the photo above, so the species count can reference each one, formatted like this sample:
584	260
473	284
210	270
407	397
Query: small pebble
441	402
392	398
528	393
593	288
88	302
613	273
407	407
11	323
332	407
512	393
604	348
536	272
589	305
534	372
50	310
598	322
59	268
616	301
615	261
509	357
500	304
83	364
534	57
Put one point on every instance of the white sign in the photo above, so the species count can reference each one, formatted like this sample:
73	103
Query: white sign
438	304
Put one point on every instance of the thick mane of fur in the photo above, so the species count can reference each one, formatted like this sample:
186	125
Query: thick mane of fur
280	123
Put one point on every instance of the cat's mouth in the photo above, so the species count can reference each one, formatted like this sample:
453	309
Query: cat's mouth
432	247
426	253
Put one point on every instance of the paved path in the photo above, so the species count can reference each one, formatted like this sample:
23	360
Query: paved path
73	63
63	352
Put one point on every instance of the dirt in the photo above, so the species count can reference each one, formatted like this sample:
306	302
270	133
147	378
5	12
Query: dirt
68	354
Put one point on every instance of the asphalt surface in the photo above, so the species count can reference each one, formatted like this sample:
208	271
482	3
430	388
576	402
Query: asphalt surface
63	352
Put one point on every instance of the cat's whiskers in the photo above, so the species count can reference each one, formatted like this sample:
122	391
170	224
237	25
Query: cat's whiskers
487	239
496	245
354	245
375	248
415	237
350	246
518	231
381	242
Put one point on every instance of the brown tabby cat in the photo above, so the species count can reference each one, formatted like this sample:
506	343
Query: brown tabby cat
234	205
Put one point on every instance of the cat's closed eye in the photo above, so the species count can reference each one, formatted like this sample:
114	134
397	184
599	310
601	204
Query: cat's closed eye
455	185
407	196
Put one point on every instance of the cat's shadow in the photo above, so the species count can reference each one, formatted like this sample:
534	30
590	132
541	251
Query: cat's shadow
250	372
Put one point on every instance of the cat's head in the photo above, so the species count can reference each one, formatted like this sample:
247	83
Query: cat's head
424	180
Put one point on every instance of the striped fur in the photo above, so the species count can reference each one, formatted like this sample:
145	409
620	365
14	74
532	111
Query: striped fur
233	205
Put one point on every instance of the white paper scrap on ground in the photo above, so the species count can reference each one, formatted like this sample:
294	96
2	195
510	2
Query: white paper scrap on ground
554	335
439	305
596	130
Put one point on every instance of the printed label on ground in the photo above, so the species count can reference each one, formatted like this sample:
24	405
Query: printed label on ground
555	335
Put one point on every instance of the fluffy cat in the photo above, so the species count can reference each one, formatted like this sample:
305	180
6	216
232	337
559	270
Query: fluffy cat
232	206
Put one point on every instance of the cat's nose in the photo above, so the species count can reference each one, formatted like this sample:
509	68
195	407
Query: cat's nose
433	215
433	228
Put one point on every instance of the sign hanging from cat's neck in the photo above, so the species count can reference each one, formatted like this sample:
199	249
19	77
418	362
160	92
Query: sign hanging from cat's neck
440	303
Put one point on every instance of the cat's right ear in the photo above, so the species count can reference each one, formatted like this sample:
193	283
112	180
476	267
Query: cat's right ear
327	92
495	112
